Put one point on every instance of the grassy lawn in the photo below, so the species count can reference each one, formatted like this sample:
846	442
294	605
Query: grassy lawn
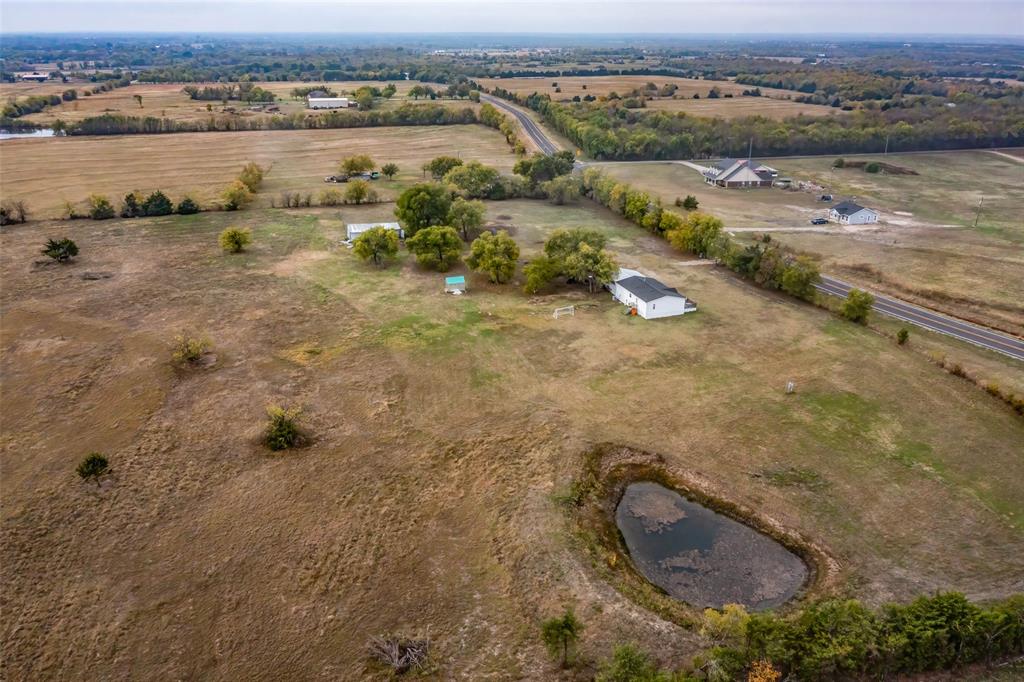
440	429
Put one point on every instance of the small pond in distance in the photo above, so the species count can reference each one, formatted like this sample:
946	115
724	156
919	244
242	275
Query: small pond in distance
702	557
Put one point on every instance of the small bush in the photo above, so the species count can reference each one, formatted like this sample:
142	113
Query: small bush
857	306
902	335
13	212
60	250
839	163
282	428
234	240
189	349
93	466
188	206
100	207
329	197
157	204
873	167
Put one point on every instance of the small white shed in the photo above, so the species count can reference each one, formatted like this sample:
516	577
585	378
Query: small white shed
353	230
648	296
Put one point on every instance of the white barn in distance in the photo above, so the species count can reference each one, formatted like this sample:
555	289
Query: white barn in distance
648	296
327	102
353	230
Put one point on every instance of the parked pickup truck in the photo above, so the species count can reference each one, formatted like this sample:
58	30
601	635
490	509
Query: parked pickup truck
336	178
819	221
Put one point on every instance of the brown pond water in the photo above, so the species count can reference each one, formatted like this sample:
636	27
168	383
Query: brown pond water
702	557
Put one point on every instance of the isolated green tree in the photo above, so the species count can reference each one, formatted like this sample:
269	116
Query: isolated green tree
423	205
389	170
353	165
376	244
494	255
94	467
857	306
560	634
466	216
902	335
630	664
234	240
440	166
435	247
690	203
60	250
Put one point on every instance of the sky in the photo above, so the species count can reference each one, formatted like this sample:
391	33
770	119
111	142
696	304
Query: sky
899	17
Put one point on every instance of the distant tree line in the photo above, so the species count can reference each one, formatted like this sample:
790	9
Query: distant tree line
607	130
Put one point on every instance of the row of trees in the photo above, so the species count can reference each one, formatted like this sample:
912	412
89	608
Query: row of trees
492	118
610	131
765	263
405	115
831	639
243	92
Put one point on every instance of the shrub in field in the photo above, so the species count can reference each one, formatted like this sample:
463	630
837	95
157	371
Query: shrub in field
236	195
376	244
902	335
857	306
234	240
251	176
839	163
494	255
282	428
690	203
630	664
94	466
360	192
389	170
60	250
12	212
873	167
188	349
100	207
329	197
435	247
188	206
131	207
156	204
560	634
564	189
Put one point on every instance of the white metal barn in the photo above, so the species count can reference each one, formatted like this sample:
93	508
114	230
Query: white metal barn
327	102
648	296
849	213
353	230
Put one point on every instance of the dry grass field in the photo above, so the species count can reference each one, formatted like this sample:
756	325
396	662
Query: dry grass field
774	103
441	429
46	171
926	246
167	100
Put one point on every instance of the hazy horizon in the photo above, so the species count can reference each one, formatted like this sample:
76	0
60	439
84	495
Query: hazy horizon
910	18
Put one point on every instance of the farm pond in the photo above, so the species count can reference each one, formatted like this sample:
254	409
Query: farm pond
702	557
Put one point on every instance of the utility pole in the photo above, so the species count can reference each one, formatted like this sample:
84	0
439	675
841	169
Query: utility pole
886	153
977	214
750	150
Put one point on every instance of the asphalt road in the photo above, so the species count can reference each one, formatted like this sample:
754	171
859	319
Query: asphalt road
922	317
901	310
532	129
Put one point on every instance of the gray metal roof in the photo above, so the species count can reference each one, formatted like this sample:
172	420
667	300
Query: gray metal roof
847	208
647	288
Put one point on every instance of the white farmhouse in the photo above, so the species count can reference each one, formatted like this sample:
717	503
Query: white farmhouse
650	298
849	213
353	230
327	102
